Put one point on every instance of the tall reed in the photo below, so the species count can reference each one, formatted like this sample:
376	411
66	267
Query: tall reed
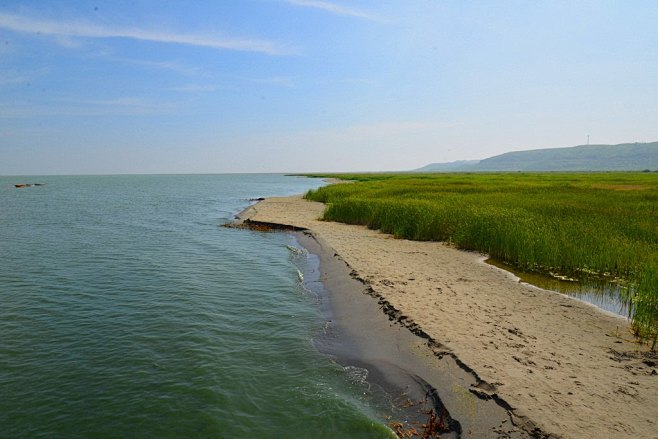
572	224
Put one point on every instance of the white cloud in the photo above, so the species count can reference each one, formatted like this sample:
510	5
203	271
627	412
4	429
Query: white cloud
91	107
335	8
79	29
174	66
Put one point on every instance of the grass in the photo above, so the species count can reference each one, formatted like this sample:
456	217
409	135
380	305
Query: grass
577	225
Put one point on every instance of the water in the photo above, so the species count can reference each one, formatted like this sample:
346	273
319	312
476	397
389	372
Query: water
604	294
125	311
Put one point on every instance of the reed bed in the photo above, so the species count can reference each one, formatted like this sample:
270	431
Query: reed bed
575	225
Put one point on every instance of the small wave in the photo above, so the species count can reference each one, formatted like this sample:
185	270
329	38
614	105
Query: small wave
357	375
295	250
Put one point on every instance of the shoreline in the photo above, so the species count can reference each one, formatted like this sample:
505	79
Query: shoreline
561	368
359	335
623	320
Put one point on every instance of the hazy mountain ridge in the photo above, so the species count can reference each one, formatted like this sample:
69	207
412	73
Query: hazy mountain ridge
447	167
621	157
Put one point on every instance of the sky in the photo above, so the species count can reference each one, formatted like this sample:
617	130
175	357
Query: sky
153	86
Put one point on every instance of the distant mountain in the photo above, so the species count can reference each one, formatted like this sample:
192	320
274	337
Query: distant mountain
622	157
447	167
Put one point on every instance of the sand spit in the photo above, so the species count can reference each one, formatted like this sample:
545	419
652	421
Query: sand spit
564	366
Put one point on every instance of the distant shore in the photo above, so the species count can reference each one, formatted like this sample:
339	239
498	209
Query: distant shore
560	366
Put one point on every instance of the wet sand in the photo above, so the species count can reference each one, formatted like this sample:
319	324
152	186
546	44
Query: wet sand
399	366
560	367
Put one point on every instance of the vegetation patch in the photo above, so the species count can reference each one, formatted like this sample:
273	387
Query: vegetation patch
622	187
572	224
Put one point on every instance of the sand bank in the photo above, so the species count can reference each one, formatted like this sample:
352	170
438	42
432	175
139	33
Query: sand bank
402	375
559	364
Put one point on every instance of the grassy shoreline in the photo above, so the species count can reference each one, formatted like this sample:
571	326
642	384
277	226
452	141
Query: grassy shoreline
577	225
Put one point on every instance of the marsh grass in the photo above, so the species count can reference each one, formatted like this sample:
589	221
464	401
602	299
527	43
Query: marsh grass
576	225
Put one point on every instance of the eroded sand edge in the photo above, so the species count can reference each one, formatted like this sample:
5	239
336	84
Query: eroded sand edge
573	370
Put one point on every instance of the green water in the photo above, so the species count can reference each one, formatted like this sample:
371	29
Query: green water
125	311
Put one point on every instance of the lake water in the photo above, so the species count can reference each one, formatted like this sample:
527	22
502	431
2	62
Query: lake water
126	311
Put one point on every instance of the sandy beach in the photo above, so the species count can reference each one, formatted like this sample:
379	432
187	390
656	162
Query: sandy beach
559	364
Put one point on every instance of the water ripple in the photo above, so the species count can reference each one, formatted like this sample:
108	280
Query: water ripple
126	312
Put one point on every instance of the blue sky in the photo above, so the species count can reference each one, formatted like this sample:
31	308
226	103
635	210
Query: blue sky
141	86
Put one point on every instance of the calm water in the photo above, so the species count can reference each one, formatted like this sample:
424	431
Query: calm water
604	294
125	311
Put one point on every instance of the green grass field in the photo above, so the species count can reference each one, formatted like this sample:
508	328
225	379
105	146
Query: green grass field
577	225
